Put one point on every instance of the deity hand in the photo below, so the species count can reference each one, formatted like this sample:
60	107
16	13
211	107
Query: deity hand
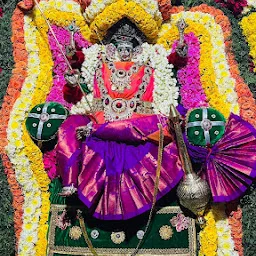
83	132
182	48
72	77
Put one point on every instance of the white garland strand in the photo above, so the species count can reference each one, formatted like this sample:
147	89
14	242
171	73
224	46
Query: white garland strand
165	91
226	245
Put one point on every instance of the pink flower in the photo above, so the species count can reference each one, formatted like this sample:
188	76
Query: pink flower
192	93
180	222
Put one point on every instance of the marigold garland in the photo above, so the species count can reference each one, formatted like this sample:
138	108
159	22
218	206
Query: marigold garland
235	222
36	175
248	24
118	10
43	83
17	155
225	241
12	93
245	98
208	236
96	7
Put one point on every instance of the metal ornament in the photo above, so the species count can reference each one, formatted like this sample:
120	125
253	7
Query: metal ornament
193	192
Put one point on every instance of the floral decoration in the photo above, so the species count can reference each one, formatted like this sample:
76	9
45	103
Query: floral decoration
225	241
235	223
208	236
120	9
31	82
180	222
189	76
248	25
29	87
117	237
12	93
245	98
235	6
75	233
220	98
95	8
166	232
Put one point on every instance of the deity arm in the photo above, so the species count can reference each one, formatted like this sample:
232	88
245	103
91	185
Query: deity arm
72	94
135	130
179	57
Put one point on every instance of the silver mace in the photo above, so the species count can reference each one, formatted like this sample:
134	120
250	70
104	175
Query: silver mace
193	192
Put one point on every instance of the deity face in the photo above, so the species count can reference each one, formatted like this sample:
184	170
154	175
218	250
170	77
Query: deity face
125	51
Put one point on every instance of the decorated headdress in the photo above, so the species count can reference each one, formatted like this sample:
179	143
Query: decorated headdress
125	31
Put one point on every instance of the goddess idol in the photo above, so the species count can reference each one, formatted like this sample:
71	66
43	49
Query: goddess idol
109	155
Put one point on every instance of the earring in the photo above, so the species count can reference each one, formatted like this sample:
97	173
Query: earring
110	51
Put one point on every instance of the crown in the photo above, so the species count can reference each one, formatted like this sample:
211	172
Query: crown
125	31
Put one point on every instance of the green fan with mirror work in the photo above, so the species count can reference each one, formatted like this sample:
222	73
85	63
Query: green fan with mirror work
44	120
205	126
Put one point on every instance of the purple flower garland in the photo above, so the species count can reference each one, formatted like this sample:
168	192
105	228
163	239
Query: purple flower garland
192	93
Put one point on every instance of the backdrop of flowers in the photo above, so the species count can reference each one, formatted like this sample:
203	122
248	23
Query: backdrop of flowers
226	27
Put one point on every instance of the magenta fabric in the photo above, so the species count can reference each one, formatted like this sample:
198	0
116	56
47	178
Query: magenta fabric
114	170
230	165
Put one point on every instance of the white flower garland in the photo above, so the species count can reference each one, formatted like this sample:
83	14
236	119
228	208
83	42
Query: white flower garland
165	90
96	7
226	246
23	172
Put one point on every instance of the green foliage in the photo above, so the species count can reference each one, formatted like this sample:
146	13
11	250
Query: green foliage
248	204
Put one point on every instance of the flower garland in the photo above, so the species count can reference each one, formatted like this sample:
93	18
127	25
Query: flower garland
207	70
96	7
235	6
189	76
12	93
248	26
245	97
25	157
211	36
165	89
208	236
59	14
118	10
18	157
235	222
225	241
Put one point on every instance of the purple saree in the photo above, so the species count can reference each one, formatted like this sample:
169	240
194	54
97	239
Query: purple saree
230	165
114	169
